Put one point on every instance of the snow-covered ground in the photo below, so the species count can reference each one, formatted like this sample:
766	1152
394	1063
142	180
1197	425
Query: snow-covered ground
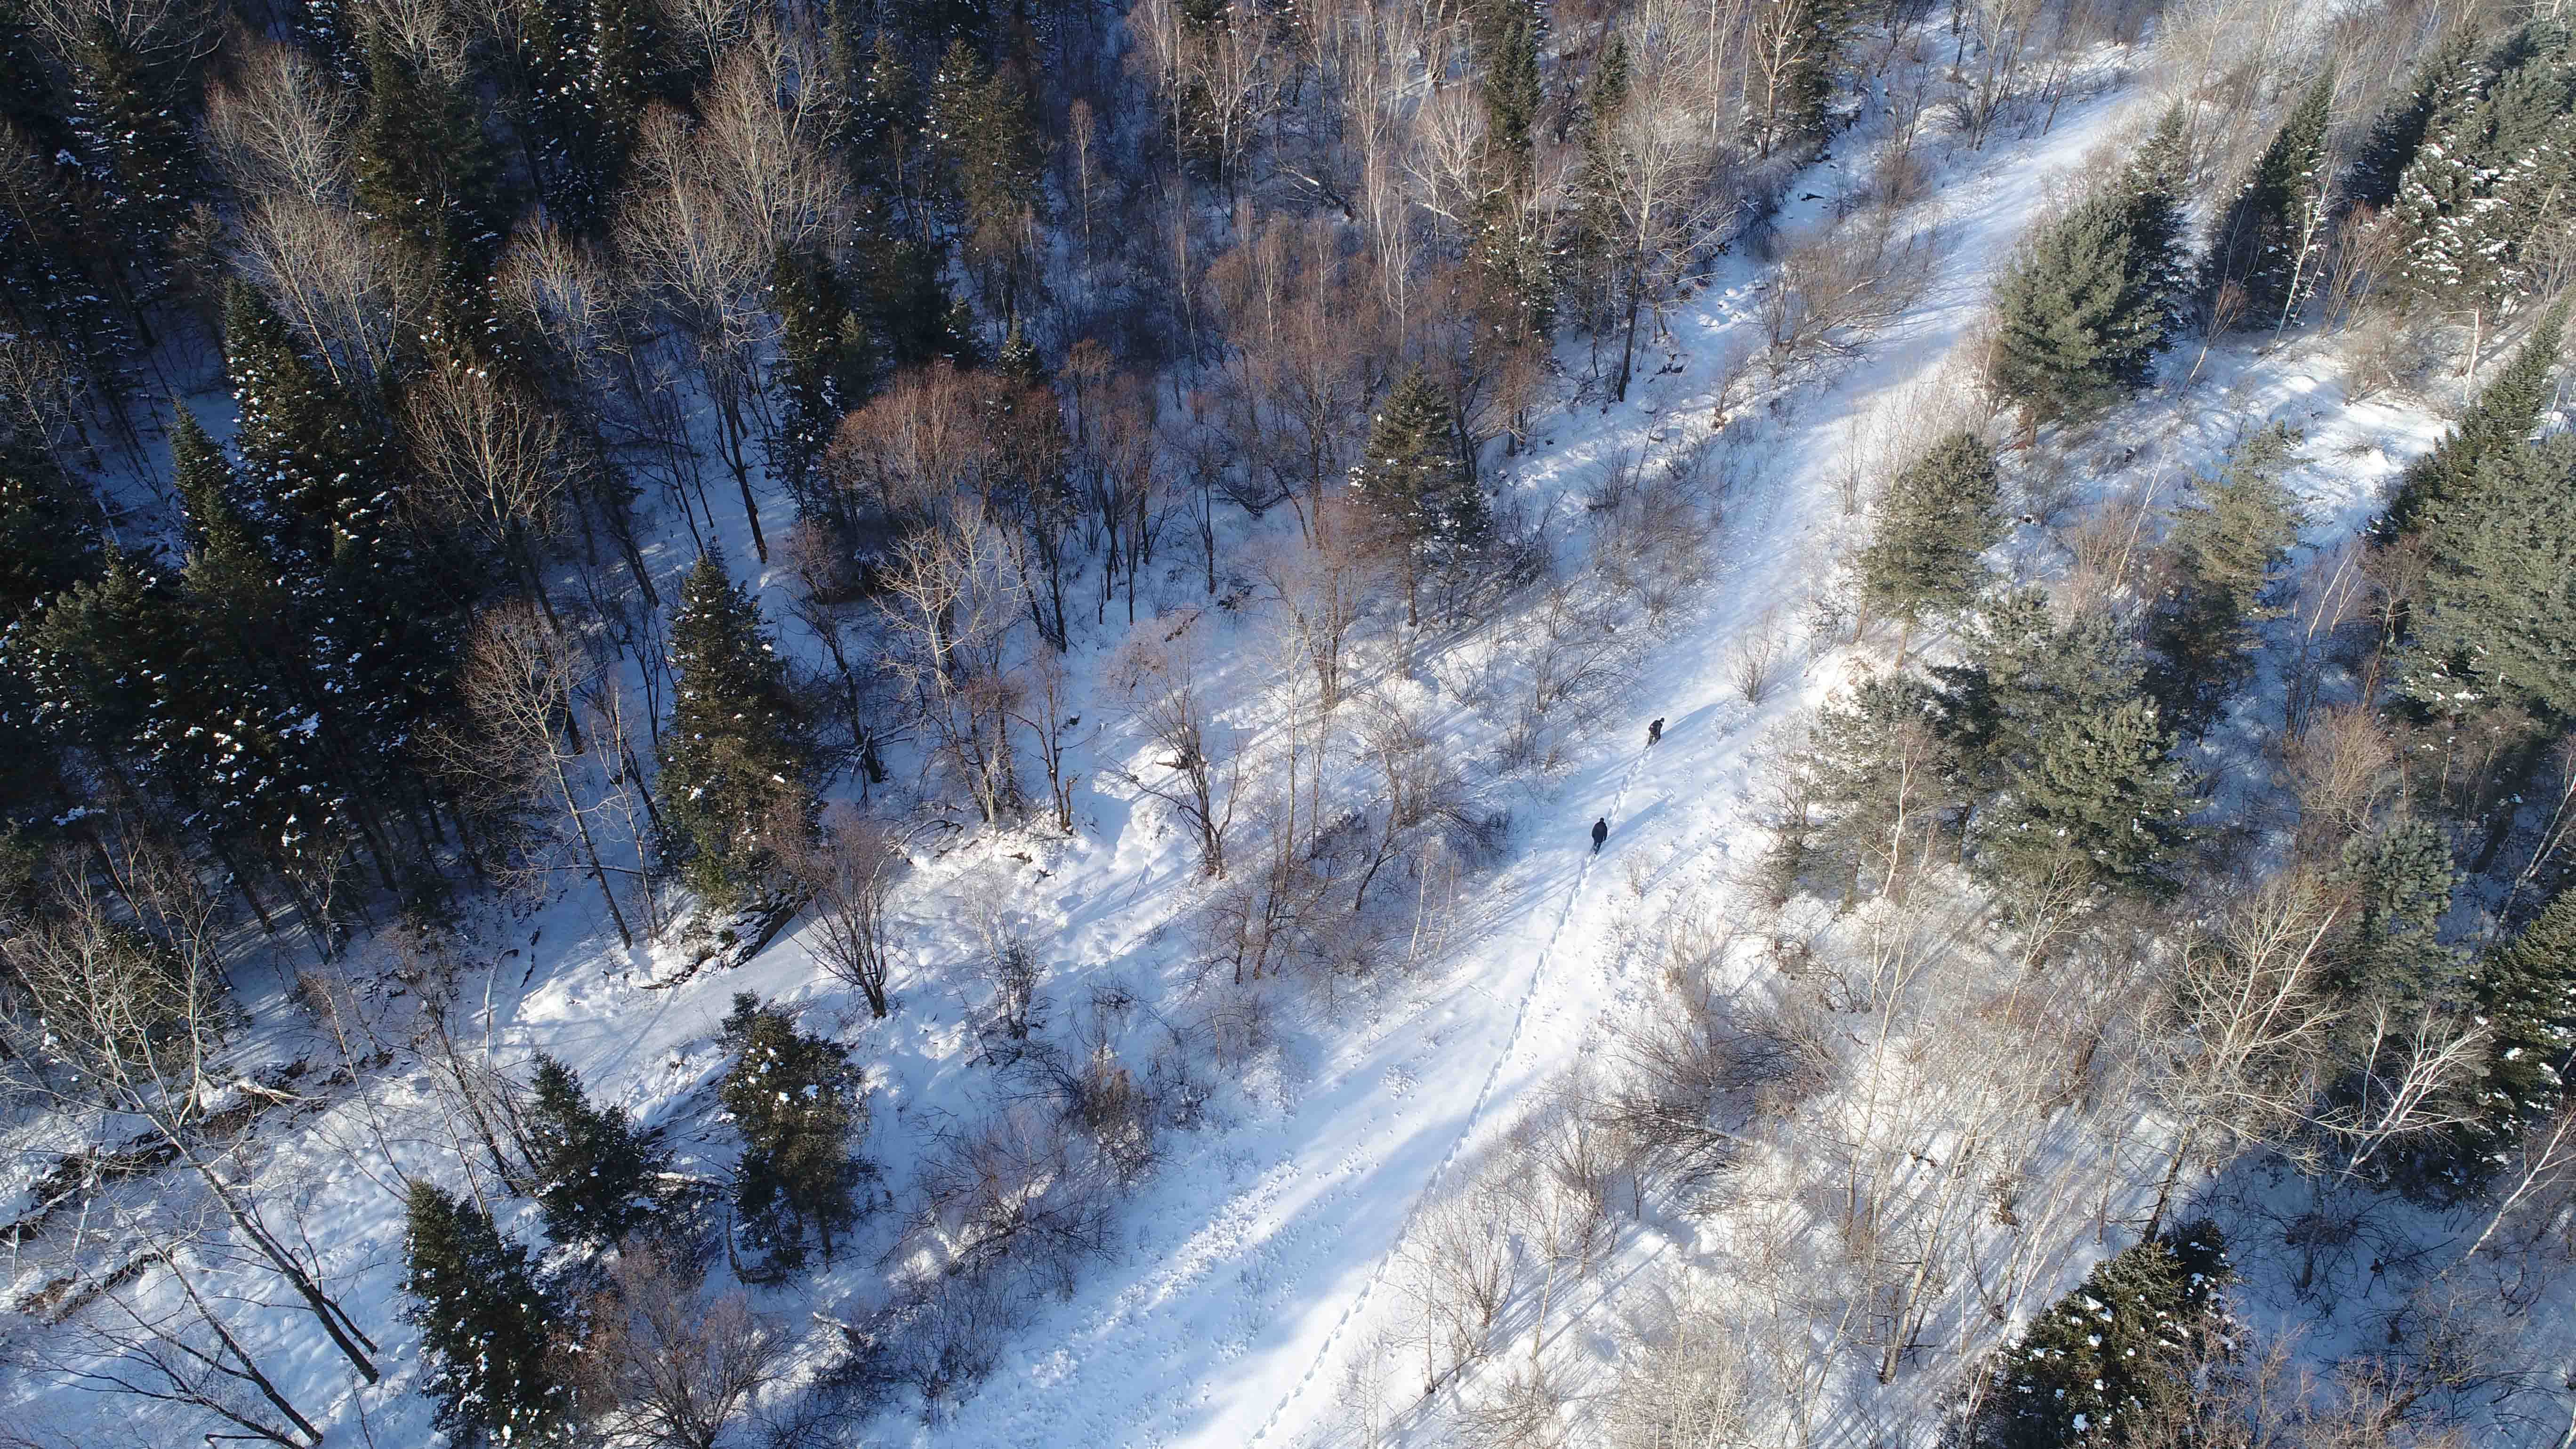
1258	1268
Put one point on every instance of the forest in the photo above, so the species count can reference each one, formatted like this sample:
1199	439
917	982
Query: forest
1336	724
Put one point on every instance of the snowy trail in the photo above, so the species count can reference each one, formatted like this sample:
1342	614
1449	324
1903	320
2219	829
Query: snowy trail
1467	1129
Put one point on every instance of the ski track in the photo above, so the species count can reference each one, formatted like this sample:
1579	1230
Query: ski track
1467	1129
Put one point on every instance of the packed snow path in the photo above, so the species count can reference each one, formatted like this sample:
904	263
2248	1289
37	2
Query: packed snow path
1475	1113
1259	1255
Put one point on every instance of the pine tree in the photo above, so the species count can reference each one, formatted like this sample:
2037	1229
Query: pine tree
2272	236
2117	1352
2504	414
2102	804
2152	192
2404	881
824	369
796	1100
735	758
984	138
2229	552
2397	137
2490	174
47	539
595	1173
2497	613
1932	524
1414	481
487	1326
2078	317
130	118
2526	998
429	179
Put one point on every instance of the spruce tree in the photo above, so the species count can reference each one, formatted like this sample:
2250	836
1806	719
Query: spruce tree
2490	173
2526	998
2102	805
1933	523
2271	239
2114	1358
2152	191
595	1173
2078	319
735	758
2229	551
47	539
823	369
1414	481
429	179
487	1326
2497	609
796	1100
2403	880
2503	415
2397	137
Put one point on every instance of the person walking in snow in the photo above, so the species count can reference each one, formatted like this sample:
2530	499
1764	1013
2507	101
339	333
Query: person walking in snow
1600	833
1654	734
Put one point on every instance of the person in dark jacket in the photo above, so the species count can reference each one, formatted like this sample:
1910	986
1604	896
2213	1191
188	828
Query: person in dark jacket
1654	734
1600	833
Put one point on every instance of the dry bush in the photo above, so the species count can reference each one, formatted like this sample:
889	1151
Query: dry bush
1696	1077
1456	1264
1897	429
1525	1411
663	1365
1685	1386
1753	665
1021	1188
2113	548
848	869
1844	283
2342	770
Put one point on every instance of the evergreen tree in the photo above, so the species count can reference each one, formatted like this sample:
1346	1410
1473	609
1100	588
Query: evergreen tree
2271	239
2114	1358
2504	414
735	758
2497	612
47	539
2397	137
796	1100
595	1173
1415	482
2404	880
2152	192
824	369
2078	317
2489	175
130	119
2526	998
487	1326
2228	553
429	179
2102	805
1932	524
990	157
2022	673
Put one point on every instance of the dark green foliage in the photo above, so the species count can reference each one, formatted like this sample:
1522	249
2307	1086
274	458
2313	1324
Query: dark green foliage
1509	34
428	177
48	540
130	118
796	1100
2102	806
735	757
2490	172
825	367
2526	996
2228	551
595	1173
2502	417
2054	725
2497	611
2403	881
1415	481
486	1325
590	66
984	138
2108	1363
1932	523
2398	135
2271	239
2070	334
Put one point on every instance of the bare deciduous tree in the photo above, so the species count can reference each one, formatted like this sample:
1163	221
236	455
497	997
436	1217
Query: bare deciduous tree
666	1367
849	868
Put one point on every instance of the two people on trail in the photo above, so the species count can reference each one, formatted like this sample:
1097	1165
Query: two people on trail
1601	827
